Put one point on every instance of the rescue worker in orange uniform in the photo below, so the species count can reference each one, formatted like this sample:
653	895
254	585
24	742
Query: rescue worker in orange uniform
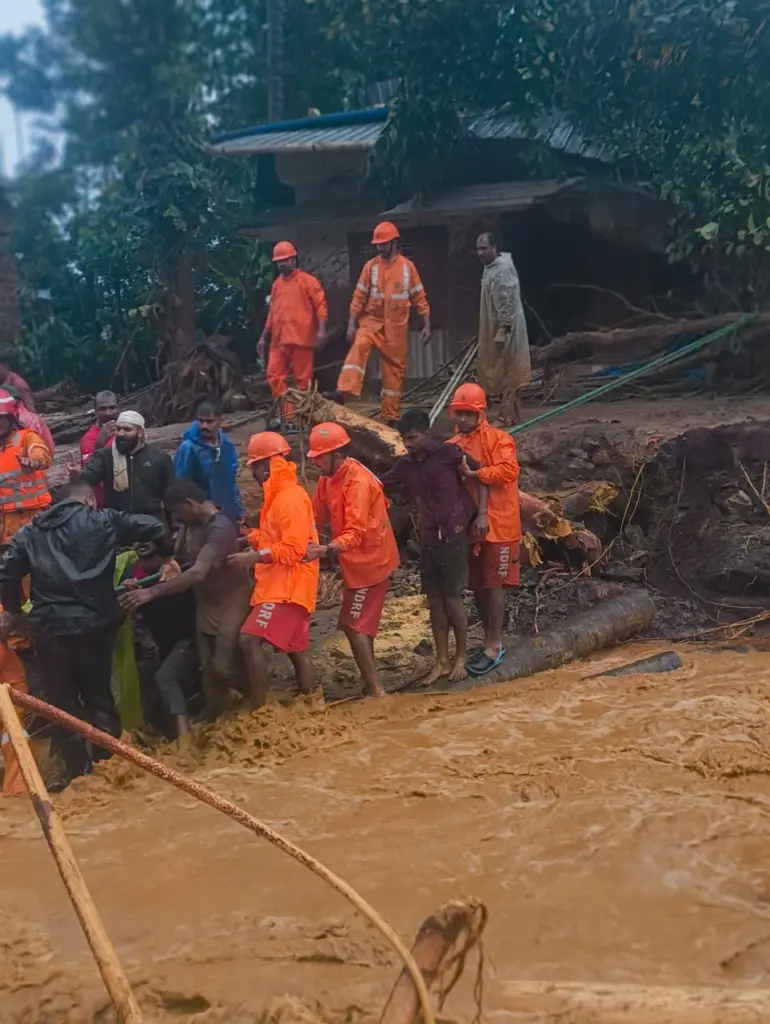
387	289
494	563
296	323
351	499
285	584
24	458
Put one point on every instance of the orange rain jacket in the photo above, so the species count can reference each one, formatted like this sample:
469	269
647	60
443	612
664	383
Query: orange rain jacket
386	291
297	304
353	502
496	452
286	527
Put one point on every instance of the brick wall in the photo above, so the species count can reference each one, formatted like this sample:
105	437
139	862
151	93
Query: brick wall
10	314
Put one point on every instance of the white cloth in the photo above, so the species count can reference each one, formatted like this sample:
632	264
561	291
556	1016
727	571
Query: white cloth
129	418
120	478
504	361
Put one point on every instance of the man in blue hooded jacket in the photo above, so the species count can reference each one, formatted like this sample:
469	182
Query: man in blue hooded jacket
208	457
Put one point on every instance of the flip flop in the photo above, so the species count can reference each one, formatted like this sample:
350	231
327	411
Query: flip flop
484	664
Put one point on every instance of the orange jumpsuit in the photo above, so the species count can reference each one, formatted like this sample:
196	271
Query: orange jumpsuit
353	502
23	492
297	305
384	295
498	557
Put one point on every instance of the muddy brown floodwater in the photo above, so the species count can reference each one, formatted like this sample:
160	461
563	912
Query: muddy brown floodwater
617	828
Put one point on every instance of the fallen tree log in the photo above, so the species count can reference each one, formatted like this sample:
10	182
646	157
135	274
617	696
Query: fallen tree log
596	1003
666	661
624	343
379	445
611	622
440	949
376	443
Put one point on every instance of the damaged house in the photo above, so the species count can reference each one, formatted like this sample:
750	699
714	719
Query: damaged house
575	238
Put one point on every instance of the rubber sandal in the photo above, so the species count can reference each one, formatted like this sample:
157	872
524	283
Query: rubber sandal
484	664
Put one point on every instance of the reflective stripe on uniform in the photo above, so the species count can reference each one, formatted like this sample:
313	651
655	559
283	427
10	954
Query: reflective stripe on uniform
375	292
362	288
403	295
390	393
352	366
417	289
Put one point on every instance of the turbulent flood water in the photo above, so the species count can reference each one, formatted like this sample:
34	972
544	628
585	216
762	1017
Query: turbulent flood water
618	830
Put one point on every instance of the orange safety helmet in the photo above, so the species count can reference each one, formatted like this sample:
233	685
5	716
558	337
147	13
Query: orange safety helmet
384	233
326	438
283	251
264	446
469	398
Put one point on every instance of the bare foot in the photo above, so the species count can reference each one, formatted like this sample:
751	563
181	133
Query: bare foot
436	673
459	670
376	691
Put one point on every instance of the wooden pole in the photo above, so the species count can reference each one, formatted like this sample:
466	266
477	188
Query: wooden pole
259	828
117	985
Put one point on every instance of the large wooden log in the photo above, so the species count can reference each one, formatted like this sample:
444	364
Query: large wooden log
608	623
622	343
378	444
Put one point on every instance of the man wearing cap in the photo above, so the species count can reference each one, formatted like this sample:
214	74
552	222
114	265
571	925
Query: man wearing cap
295	324
494	563
351	499
286	585
24	458
135	474
387	289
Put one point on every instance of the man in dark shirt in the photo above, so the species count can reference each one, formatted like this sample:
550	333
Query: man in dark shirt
429	476
170	622
135	474
222	591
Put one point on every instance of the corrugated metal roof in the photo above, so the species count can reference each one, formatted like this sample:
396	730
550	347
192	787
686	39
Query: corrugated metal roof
469	199
360	130
554	129
306	140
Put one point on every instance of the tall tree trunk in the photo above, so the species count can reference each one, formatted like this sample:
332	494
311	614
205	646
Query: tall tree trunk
181	320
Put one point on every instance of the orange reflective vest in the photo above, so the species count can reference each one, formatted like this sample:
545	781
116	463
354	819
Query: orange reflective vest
297	304
496	452
354	503
286	527
22	488
386	291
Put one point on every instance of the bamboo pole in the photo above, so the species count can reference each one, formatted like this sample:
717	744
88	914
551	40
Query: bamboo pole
219	803
96	935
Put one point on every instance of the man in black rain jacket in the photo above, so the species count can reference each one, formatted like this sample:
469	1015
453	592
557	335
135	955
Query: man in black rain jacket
69	553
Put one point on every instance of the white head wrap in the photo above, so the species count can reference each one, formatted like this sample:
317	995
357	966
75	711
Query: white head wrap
129	418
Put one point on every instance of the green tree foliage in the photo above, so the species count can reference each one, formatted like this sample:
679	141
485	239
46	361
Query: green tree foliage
677	92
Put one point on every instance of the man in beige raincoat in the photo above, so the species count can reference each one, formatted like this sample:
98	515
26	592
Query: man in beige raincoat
503	362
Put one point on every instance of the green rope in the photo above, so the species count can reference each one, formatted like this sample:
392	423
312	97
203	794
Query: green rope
654	364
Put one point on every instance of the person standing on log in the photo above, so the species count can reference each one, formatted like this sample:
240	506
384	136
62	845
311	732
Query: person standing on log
504	363
429	476
295	325
388	288
209	458
494	562
351	499
286	585
135	475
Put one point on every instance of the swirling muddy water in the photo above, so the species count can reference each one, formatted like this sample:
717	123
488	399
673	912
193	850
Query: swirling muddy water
618	830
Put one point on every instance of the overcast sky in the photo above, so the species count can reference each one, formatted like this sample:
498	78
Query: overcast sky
15	15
